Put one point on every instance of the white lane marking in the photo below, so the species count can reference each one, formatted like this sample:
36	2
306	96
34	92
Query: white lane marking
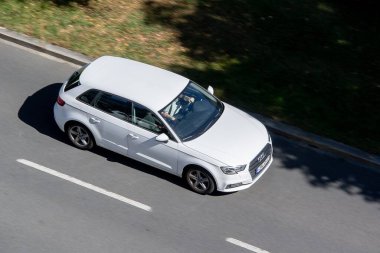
246	245
84	184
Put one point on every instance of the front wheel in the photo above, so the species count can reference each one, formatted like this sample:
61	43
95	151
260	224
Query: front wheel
200	181
80	136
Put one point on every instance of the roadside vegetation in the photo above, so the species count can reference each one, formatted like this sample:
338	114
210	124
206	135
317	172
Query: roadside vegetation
312	64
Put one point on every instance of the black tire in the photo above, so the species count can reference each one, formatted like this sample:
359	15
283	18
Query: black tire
80	136
199	180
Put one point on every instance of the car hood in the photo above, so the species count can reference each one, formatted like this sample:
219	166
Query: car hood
235	138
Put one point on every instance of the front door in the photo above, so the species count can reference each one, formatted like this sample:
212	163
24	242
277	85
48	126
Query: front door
142	142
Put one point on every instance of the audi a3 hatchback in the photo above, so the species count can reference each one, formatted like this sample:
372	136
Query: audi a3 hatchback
164	120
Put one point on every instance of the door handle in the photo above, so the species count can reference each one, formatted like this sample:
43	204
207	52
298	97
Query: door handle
133	136
94	120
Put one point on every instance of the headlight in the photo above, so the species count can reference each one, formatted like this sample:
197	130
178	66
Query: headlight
230	170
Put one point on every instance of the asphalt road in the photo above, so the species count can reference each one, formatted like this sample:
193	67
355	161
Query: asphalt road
308	202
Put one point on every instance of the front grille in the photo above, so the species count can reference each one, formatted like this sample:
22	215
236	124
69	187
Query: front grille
260	159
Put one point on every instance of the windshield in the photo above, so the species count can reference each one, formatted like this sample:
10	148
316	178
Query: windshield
192	112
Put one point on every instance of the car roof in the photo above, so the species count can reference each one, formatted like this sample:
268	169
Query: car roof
150	86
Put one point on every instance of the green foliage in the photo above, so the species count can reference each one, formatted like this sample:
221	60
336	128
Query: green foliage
311	64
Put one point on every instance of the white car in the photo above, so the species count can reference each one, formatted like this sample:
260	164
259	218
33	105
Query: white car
164	120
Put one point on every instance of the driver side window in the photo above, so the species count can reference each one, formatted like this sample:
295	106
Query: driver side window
146	119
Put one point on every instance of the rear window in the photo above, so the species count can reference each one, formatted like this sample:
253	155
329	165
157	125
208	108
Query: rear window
88	96
74	79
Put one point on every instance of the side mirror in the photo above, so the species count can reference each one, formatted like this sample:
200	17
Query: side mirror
210	89
162	138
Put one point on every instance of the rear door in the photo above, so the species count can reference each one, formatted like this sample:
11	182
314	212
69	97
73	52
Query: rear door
109	115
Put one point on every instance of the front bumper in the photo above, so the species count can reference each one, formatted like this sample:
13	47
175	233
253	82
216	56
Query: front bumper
255	170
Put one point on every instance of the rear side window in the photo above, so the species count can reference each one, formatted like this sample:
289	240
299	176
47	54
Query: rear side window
88	96
74	79
116	106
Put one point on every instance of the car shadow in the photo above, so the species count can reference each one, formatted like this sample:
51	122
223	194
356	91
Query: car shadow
37	112
117	158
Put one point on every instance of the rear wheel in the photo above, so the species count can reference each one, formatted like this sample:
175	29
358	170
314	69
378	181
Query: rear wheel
199	180
80	136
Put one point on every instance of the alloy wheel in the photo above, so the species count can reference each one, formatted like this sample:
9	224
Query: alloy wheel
80	137
200	181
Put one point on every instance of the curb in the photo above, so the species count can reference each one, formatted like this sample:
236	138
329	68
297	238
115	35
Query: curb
43	47
338	148
372	161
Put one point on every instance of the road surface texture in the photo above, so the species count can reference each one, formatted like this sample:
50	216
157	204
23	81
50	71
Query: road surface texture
308	202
